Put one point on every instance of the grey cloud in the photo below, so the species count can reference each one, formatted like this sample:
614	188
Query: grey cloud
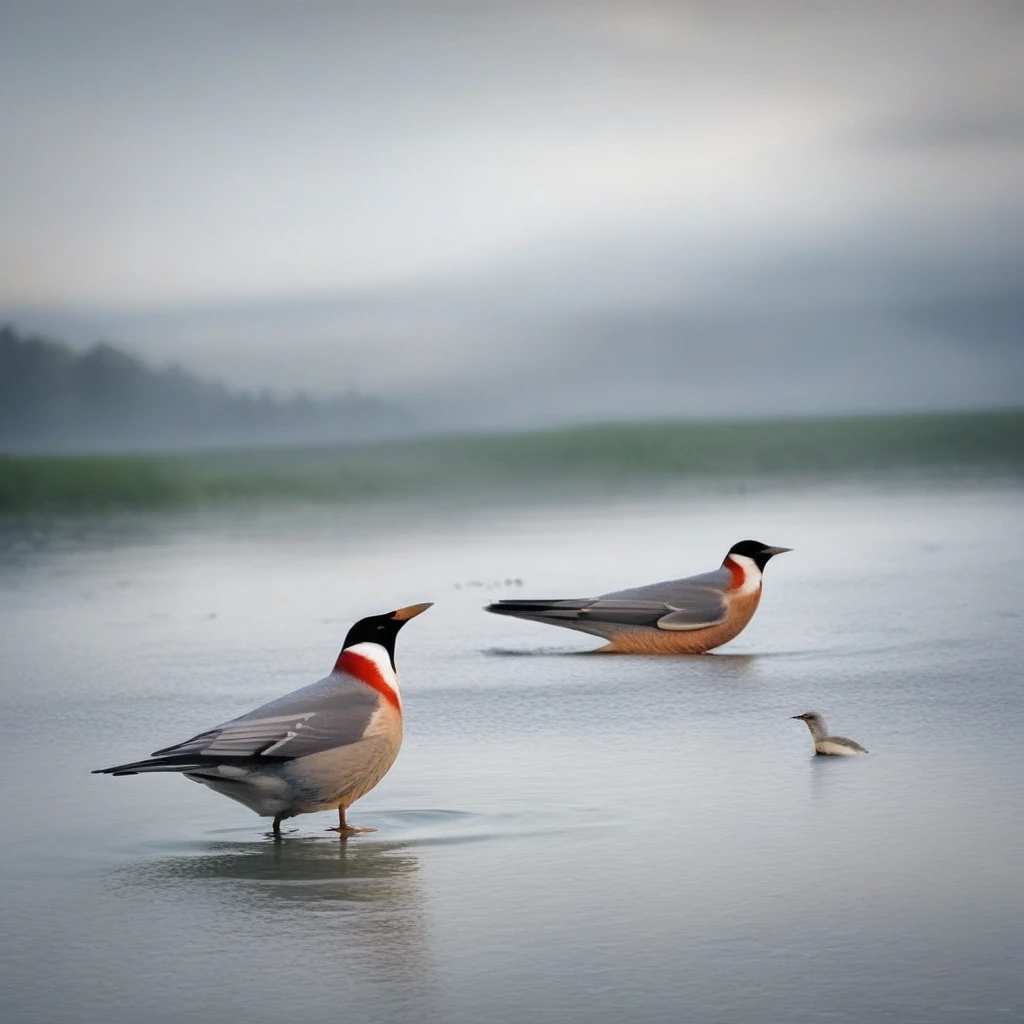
998	126
510	212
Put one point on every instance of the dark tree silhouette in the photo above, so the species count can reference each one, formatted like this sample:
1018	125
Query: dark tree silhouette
53	398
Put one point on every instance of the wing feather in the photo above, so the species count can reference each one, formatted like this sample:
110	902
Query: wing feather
333	712
692	603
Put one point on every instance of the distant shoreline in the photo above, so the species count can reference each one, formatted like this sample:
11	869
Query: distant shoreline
604	458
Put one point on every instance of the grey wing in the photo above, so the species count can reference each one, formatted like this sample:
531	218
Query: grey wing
693	603
331	713
848	742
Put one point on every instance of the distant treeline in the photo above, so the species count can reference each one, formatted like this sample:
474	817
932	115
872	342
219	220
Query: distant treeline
54	398
589	461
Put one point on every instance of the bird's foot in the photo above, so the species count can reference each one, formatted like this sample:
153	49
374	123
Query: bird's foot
349	830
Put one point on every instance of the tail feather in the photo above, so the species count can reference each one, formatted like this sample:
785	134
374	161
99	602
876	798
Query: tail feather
152	764
180	763
571	613
543	611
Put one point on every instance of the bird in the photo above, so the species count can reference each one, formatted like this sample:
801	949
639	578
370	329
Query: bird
836	746
319	748
686	616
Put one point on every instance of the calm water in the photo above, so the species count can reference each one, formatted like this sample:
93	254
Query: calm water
564	837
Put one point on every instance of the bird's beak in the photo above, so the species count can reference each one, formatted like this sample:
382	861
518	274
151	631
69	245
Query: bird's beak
776	551
796	716
404	614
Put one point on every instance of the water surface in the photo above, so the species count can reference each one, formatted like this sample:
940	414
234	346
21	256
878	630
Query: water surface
564	837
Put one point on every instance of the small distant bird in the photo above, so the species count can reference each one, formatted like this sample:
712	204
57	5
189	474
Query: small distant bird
319	748
687	616
837	746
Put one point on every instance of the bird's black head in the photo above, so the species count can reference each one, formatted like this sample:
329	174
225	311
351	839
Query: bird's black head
382	629
755	550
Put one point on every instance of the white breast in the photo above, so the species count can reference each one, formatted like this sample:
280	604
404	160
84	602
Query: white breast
380	658
751	575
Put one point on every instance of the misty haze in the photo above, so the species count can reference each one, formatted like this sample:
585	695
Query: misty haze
313	312
528	213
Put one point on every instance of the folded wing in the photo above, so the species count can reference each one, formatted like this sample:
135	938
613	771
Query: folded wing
693	603
331	713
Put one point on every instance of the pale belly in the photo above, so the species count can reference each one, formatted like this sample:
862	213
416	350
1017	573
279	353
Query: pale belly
337	778
324	781
836	749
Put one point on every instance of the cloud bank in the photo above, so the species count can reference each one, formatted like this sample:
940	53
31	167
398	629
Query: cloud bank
525	213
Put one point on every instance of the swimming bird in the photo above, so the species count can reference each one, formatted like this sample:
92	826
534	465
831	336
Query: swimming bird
318	748
687	616
837	746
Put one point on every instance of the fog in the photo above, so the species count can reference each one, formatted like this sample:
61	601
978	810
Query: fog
510	214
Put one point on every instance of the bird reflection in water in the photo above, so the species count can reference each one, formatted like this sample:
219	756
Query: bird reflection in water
322	900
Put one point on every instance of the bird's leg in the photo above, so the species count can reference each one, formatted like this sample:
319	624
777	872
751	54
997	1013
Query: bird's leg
344	829
277	825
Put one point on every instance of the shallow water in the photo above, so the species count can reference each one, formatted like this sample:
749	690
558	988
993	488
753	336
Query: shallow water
564	837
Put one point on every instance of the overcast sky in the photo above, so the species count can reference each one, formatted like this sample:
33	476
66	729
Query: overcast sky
528	212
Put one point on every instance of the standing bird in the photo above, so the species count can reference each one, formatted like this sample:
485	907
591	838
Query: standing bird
837	746
688	616
316	749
